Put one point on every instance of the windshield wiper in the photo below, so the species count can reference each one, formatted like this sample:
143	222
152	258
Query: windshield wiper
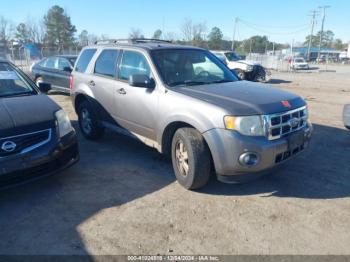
188	83
20	94
220	81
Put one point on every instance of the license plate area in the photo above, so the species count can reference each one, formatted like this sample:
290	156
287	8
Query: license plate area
295	140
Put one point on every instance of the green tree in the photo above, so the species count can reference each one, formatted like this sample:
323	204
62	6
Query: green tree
256	44
338	44
157	34
327	39
22	33
215	38
59	29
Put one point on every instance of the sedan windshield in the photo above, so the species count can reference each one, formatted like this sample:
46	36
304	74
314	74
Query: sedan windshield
185	67
231	56
299	60
12	83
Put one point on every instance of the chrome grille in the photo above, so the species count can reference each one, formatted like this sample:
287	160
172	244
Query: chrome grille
25	142
281	124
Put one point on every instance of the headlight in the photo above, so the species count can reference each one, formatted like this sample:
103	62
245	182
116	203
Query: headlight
63	123
246	125
250	68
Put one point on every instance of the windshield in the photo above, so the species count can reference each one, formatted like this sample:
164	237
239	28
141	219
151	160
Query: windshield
191	67
299	60
12	83
231	56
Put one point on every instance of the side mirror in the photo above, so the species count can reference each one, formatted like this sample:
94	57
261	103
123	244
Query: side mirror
67	69
44	87
141	81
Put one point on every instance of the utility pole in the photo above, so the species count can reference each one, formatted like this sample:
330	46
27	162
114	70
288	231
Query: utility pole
312	32
322	27
234	33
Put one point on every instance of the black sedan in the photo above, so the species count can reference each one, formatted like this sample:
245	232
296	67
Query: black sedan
54	70
36	135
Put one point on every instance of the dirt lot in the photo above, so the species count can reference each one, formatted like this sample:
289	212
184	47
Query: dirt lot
122	198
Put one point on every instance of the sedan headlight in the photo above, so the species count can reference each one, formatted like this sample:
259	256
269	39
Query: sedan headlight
63	123
246	125
250	68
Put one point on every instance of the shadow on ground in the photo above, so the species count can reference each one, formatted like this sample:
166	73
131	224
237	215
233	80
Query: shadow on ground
279	81
43	217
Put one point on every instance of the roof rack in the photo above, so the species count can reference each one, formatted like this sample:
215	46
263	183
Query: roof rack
131	41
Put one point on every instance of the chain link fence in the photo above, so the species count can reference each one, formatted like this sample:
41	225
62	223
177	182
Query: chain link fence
24	58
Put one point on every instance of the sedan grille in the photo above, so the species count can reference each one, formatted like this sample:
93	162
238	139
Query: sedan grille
23	143
281	124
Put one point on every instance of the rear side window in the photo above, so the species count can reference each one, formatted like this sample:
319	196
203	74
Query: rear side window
106	63
133	63
51	62
84	60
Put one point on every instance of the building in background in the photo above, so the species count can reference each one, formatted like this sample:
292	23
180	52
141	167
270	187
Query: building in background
327	53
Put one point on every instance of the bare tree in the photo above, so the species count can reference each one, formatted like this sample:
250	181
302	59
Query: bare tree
135	33
170	36
6	30
193	33
187	30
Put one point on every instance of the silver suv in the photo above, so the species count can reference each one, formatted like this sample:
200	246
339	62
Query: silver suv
187	104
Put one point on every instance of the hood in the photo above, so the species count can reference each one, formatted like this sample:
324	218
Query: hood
244	98
249	62
26	114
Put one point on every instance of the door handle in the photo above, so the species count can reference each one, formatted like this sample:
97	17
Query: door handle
121	91
92	83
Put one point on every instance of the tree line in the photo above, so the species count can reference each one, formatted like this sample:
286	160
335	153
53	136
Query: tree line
55	29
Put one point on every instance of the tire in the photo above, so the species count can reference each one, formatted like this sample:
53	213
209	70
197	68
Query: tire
198	158
240	74
88	122
38	80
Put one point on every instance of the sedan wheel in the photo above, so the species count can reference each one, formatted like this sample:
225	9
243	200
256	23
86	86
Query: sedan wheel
181	158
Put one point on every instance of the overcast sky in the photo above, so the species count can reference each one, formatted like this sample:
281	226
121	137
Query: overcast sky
281	21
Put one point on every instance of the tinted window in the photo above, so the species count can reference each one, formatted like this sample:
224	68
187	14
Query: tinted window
12	83
50	62
84	60
62	63
133	63
106	63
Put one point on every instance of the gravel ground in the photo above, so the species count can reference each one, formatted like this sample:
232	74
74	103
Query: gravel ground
122	197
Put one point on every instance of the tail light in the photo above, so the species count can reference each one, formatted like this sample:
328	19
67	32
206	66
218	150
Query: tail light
71	82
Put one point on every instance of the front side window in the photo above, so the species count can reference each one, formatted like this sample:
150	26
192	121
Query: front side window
191	67
106	63
133	63
84	60
12	83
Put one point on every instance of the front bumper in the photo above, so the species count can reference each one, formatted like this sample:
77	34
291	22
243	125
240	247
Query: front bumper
45	160
346	116
227	146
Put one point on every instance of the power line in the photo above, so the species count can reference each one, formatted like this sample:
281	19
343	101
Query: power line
274	33
272	26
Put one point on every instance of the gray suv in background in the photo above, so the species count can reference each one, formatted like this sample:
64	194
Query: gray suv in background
187	104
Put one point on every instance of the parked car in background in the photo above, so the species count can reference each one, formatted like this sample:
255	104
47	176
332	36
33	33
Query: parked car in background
346	116
36	135
187	104
55	70
299	63
245	69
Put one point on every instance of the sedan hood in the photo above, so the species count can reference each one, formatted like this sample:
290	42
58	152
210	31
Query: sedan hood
26	114
244	98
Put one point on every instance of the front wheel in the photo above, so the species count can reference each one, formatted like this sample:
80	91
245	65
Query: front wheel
191	158
88	121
